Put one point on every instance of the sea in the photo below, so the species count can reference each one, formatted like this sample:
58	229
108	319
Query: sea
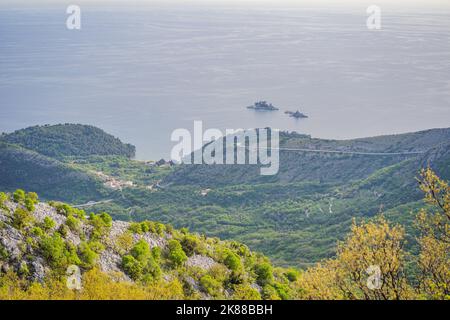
140	72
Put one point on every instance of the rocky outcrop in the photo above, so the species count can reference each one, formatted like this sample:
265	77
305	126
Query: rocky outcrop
13	243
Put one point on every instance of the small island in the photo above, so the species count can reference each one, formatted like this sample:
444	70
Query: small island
297	114
262	106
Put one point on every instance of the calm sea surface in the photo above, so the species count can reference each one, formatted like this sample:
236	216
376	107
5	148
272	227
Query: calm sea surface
141	73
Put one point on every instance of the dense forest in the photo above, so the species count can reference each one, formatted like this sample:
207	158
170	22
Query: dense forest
69	140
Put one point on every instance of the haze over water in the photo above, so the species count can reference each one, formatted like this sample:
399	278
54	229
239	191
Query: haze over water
140	74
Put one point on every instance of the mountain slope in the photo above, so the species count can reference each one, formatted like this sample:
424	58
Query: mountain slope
295	223
39	242
301	166
22	168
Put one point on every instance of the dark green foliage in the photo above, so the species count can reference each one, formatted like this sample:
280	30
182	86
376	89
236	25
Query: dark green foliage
38	232
57	253
28	200
143	227
141	263
29	204
19	196
53	179
232	261
102	223
63	230
291	275
264	273
69	140
33	197
48	224
132	267
3	198
136	228
176	254
191	244
22	218
141	250
87	254
156	253
73	223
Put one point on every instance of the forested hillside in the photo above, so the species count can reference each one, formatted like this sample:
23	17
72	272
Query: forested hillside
69	140
317	164
22	168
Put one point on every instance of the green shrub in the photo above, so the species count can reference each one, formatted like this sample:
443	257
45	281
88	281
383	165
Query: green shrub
191	244
132	267
38	232
264	273
87	255
218	272
176	254
102	224
156	253
160	228
29	204
3	199
62	208
141	251
48	224
63	230
283	291
73	223
210	285
66	210
135	228
3	253
96	246
232	261
141	264
292	275
152	268
270	293
19	196
144	227
22	218
107	219
150	226
31	242
57	253
169	228
33	197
